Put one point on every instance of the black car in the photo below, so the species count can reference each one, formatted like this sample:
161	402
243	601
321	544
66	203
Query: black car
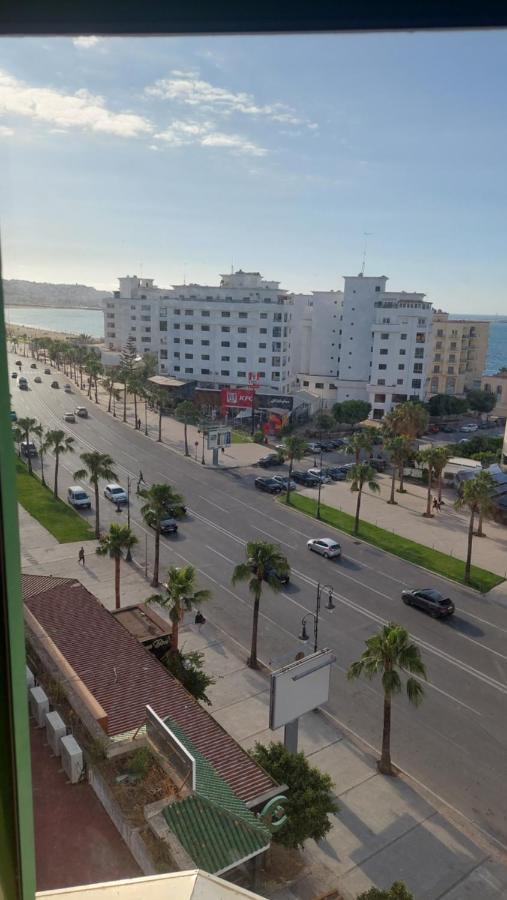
268	485
338	442
33	365
305	479
282	577
326	446
378	464
335	472
430	600
272	459
447	429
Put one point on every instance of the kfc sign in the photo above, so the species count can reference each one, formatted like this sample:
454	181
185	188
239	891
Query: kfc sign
236	397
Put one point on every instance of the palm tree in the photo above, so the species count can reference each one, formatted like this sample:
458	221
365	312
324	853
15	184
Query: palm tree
440	460
187	412
27	425
387	652
409	418
18	436
60	443
294	447
94	369
360	440
359	475
429	457
158	398
179	591
161	501
399	448
96	466
264	562
118	539
39	432
475	494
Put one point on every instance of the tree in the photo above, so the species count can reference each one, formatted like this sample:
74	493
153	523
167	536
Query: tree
429	457
323	421
351	411
446	405
40	433
475	494
18	435
294	447
264	562
441	458
387	652
361	440
399	448
26	425
161	500
188	669
481	401
188	413
94	368
108	383
409	418
179	591
159	400
128	357
359	475
397	891
59	443
118	538
96	466
310	800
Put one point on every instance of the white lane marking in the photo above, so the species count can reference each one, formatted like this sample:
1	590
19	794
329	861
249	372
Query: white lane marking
207	500
273	538
219	528
485	621
231	561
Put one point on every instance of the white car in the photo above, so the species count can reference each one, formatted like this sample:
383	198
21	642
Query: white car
115	493
283	479
470	427
318	473
327	547
78	498
67	388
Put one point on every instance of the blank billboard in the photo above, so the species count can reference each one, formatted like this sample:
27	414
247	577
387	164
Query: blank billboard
299	687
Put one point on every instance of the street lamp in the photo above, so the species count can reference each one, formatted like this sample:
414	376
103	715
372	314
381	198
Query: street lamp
128	557
304	637
320	484
146	416
196	445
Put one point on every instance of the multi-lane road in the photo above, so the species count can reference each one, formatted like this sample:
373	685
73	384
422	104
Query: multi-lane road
456	742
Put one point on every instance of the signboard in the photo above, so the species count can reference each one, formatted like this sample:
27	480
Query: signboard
170	747
219	437
299	687
275	401
238	398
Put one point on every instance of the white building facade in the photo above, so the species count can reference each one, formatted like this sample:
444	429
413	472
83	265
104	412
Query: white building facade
316	325
215	335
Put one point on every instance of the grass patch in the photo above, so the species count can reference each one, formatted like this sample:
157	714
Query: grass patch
434	560
240	437
60	520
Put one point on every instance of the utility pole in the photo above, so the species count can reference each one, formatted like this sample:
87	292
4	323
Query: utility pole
128	557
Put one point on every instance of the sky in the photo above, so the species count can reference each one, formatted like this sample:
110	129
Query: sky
179	158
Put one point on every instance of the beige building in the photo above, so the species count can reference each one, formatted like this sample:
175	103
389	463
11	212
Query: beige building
497	385
458	355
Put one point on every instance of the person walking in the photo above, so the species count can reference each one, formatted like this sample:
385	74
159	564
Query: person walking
81	556
435	504
140	481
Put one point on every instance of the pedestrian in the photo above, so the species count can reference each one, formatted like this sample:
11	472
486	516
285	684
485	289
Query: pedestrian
118	506
440	504
81	556
435	504
139	424
139	480
199	619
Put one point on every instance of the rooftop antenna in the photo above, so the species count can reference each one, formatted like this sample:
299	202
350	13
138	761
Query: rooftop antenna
184	273
366	235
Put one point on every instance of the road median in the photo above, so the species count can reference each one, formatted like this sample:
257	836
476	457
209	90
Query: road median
53	514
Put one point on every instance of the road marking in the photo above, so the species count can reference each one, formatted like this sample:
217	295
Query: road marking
219	528
272	536
231	561
207	500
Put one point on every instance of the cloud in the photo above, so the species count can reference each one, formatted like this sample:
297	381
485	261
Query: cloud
188	88
6	132
180	133
79	110
86	41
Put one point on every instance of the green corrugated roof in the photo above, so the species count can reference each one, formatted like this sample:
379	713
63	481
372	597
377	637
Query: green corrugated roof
213	838
214	826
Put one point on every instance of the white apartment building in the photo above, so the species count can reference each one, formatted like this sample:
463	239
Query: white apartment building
215	335
316	324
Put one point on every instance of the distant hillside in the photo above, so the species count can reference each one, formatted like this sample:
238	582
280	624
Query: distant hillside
36	293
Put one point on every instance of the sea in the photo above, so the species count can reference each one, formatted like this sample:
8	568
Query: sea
91	321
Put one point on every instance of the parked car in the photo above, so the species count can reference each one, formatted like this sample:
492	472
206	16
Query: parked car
378	464
282	577
69	417
434	429
115	493
447	429
335	473
430	600
272	459
78	498
319	474
54	384
338	442
313	447
33	365
67	388
487	424
283	481
305	479
28	448
327	446
269	485
38	379
327	547
13	416
470	426
167	526
47	371
81	411
14	374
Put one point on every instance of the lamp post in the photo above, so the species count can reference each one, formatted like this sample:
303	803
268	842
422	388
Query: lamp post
128	557
320	484
146	416
202	458
196	445
304	637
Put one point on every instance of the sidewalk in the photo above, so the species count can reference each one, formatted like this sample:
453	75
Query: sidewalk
385	829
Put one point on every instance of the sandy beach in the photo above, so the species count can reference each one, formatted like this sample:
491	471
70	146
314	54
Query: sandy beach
30	331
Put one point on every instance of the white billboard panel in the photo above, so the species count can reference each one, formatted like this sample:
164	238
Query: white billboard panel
219	437
299	687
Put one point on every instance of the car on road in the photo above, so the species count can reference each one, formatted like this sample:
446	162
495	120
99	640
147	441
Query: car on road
18	363
338	442
433	429
54	384
320	475
469	426
488	424
167	525
13	416
282	577
464	441
47	371
81	411
378	464
22	383
28	448
69	417
447	429
38	379
78	498
269	485
305	479
283	481
327	547
115	493
14	374
430	600
67	388
313	447
272	459
33	365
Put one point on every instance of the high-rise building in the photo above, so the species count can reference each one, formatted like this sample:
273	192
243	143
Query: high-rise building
215	335
458	355
316	323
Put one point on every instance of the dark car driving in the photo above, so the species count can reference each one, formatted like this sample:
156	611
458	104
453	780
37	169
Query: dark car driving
282	577
272	459
430	600
269	485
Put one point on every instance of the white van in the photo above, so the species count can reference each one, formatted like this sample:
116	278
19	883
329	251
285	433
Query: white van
78	498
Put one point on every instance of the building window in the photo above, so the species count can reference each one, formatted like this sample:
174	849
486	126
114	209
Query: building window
163	354
333	387
401	366
225	344
204	327
189	355
243	315
242	345
263	330
188	371
377	289
436	369
419	352
176	325
145	340
381	381
226	314
176	354
189	327
205	356
242	330
224	372
319	385
440	332
416	382
176	368
453	345
241	375
418	368
399	381
177	312
403	352
242	359
225	328
382	366
176	340
380	398
261	374
384	336
384	351
438	357
205	343
263	315
146	306
189	341
189	312
261	346
450	370
204	371
262	359
225	359
420	337
403	337
163	325
204	312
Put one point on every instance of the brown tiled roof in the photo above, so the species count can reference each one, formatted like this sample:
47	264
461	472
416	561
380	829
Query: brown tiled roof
36	584
124	678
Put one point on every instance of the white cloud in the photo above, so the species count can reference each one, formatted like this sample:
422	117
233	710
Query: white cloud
188	88
6	132
233	142
86	41
182	132
80	110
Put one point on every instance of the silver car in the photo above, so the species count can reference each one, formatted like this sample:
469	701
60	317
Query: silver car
327	547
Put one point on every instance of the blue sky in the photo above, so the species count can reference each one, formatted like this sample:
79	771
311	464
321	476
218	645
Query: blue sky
185	156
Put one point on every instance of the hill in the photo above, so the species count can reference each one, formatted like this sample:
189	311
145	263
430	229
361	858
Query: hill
36	293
